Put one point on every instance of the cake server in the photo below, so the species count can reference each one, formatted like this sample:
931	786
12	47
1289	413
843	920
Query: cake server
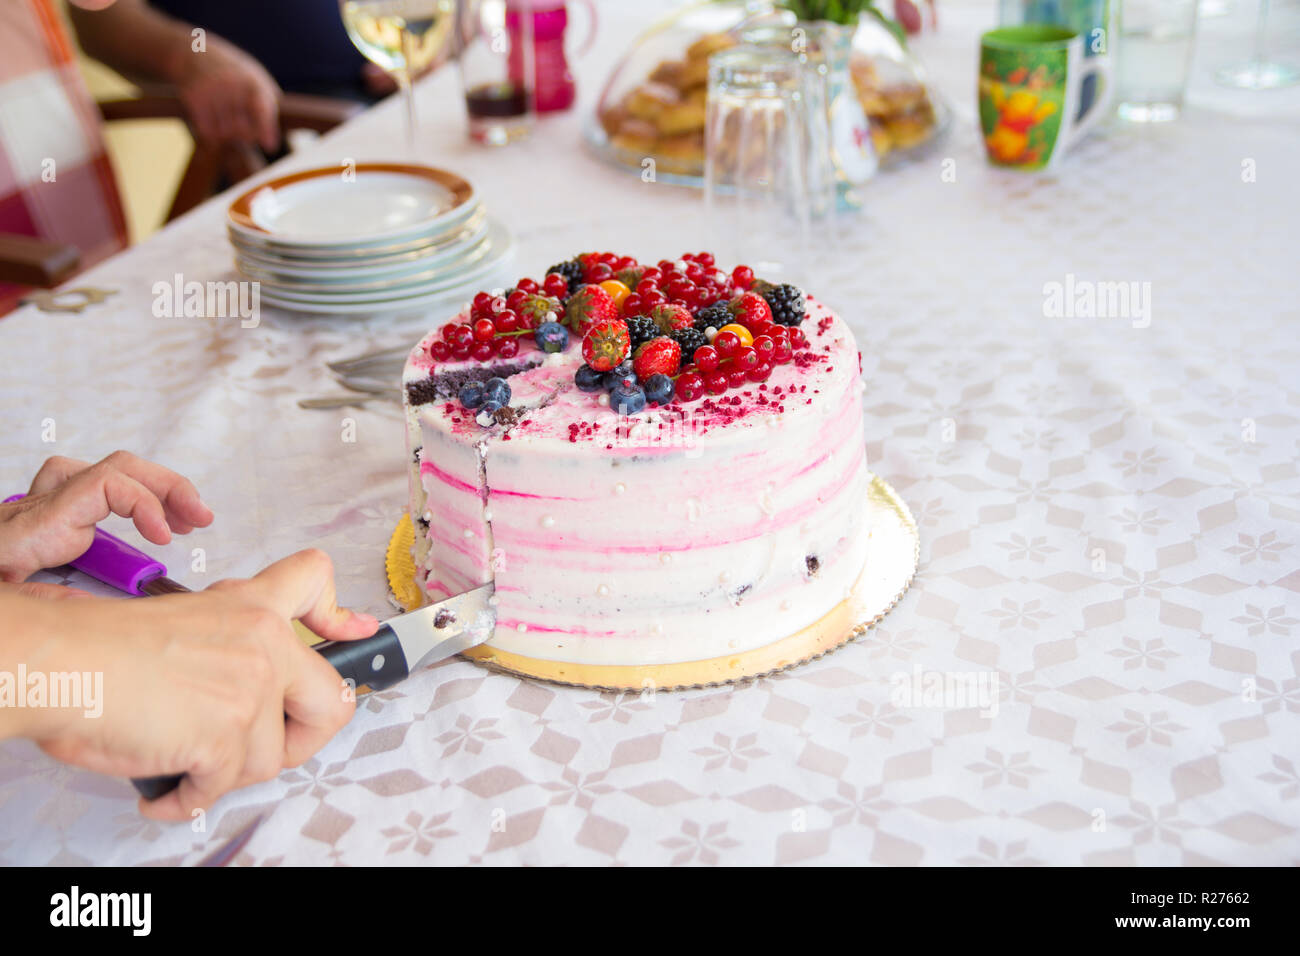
401	645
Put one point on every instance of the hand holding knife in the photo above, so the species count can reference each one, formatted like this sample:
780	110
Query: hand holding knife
401	645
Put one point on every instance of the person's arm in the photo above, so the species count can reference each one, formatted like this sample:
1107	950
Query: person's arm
228	94
214	685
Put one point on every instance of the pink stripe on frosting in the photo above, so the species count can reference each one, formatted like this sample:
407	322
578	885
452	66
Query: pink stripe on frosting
429	468
507	493
541	629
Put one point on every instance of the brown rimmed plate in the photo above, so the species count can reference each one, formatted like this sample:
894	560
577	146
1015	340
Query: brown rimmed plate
359	205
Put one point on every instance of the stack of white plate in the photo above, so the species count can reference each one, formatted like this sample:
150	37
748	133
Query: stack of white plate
365	238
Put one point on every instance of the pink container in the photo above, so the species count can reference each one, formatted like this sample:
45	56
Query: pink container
553	87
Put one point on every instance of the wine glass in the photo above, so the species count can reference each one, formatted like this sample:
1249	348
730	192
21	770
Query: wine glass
402	37
1259	72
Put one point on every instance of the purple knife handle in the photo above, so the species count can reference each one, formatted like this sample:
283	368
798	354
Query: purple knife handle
115	562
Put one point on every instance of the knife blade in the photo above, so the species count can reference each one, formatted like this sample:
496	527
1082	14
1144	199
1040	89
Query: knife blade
401	645
409	641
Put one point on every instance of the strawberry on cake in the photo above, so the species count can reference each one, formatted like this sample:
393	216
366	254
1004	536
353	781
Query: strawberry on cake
655	464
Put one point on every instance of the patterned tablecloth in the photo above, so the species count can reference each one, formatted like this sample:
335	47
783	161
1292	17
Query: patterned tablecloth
1110	512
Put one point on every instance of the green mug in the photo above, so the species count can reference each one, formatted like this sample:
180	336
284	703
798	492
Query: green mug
1030	89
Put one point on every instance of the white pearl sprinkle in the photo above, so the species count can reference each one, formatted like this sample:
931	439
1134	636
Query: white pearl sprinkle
548	521
487	516
620	488
602	399
469	533
665	558
428	516
603	590
550	316
521	627
710	332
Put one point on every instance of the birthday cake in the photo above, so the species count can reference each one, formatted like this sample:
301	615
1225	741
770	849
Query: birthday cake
654	464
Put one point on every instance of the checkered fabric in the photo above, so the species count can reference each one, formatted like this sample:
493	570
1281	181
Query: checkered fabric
55	179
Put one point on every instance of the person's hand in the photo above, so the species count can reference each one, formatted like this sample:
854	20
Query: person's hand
230	97
215	685
55	522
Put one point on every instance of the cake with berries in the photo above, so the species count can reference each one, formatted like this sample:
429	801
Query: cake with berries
654	464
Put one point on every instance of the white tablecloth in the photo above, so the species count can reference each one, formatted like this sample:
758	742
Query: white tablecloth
1110	515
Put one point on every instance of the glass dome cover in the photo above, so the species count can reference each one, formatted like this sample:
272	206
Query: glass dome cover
653	104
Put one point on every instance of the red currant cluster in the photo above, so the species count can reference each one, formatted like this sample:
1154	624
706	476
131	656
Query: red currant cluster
600	266
495	326
731	362
691	281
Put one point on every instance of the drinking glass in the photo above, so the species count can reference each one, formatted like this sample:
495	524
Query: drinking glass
1155	53
402	37
495	52
769	181
1260	72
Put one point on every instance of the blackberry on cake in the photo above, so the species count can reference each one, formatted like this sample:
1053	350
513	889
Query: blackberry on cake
640	330
689	339
712	316
787	303
572	271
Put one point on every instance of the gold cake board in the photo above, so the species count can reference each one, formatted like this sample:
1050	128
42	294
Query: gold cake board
891	564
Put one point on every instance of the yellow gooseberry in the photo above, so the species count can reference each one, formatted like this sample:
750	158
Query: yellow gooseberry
746	338
617	291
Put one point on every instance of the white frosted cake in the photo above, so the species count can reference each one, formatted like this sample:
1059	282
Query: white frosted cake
701	518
